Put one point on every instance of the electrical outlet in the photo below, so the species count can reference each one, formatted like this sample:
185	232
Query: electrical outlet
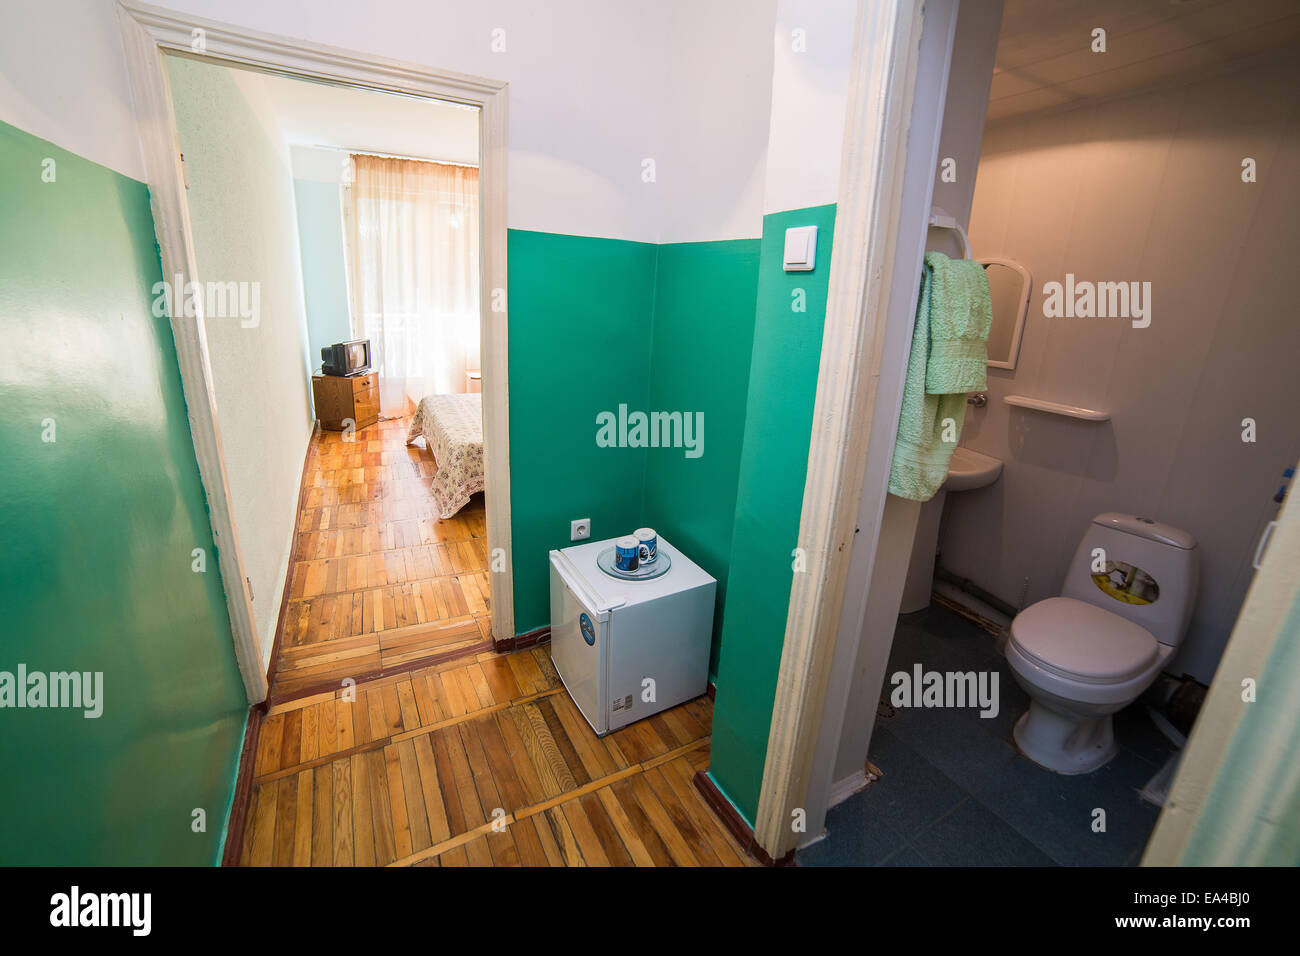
580	530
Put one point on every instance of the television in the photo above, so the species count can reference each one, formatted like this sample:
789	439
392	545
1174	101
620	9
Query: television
346	358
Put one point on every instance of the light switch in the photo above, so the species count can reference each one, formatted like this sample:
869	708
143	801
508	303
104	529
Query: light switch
800	248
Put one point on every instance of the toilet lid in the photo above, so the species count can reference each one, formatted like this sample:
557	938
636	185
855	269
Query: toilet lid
1081	640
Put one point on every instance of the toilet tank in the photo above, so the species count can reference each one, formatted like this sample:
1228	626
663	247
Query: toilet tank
1140	569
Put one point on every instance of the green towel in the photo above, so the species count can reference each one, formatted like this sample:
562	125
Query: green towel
948	360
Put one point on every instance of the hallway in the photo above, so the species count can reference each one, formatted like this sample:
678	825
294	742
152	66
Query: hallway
376	580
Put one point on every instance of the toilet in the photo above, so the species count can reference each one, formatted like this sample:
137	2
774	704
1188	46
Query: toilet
1085	655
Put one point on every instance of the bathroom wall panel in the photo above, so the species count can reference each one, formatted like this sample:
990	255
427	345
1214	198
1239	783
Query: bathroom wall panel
1144	188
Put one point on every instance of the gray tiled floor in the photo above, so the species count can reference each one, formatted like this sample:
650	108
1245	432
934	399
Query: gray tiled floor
956	792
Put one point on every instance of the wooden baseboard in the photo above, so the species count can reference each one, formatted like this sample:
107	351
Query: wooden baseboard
734	822
238	821
517	643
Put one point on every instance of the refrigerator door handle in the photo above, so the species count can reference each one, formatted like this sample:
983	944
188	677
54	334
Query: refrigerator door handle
574	582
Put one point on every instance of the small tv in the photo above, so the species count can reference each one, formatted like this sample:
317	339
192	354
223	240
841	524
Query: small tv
346	358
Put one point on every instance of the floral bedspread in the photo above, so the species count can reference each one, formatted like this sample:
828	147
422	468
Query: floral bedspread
452	426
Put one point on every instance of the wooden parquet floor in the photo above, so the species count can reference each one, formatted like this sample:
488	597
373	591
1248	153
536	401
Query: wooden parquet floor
376	579
478	762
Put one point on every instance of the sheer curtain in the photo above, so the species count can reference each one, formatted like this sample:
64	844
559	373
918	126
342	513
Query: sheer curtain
411	238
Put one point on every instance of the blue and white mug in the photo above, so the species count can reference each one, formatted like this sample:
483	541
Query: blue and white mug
647	545
626	553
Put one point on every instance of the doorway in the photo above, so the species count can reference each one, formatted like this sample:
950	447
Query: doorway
152	38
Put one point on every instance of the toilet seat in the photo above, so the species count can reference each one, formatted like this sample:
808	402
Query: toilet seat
1082	642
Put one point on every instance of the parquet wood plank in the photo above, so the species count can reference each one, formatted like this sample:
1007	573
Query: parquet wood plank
481	762
371	559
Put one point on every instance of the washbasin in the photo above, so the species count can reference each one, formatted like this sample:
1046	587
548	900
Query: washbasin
969	469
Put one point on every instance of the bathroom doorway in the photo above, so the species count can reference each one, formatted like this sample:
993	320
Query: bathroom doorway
1087	443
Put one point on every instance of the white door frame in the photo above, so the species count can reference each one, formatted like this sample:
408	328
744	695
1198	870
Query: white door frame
883	76
148	32
876	568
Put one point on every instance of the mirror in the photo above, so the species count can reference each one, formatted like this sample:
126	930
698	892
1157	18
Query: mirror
1009	287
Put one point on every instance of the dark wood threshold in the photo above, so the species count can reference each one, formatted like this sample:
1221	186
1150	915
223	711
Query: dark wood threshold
239	804
734	822
333	685
541	635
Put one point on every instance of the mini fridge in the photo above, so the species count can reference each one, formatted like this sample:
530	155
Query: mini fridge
627	649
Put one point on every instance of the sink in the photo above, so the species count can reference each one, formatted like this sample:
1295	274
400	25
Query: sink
967	471
970	470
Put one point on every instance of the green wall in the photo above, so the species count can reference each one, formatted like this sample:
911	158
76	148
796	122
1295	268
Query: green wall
705	295
773	466
708	327
98	527
324	268
595	323
581	312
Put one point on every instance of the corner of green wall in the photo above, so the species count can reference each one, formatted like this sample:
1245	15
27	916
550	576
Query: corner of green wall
705	296
581	312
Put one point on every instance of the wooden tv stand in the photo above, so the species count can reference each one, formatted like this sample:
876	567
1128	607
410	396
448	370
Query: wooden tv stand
338	399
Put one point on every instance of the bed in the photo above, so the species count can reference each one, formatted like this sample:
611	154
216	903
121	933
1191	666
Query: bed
452	426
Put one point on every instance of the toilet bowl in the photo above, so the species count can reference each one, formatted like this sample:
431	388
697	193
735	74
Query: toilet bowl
1089	653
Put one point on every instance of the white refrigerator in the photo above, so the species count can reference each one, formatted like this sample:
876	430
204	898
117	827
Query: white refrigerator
629	649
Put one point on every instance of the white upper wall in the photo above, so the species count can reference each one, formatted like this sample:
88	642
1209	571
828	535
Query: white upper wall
595	88
813	49
719	90
63	78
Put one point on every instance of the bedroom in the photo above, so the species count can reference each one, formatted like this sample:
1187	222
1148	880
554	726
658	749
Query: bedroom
349	404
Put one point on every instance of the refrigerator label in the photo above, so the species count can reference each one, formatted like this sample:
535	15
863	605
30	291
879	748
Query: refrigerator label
588	632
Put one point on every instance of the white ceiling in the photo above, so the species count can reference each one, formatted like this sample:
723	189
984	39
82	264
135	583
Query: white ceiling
1045	60
317	114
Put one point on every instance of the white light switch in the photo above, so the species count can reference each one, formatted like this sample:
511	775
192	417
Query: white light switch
800	248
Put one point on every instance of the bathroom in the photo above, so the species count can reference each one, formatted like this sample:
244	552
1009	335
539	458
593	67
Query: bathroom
1145	159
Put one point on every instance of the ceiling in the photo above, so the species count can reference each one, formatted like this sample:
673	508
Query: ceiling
1044	58
317	114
